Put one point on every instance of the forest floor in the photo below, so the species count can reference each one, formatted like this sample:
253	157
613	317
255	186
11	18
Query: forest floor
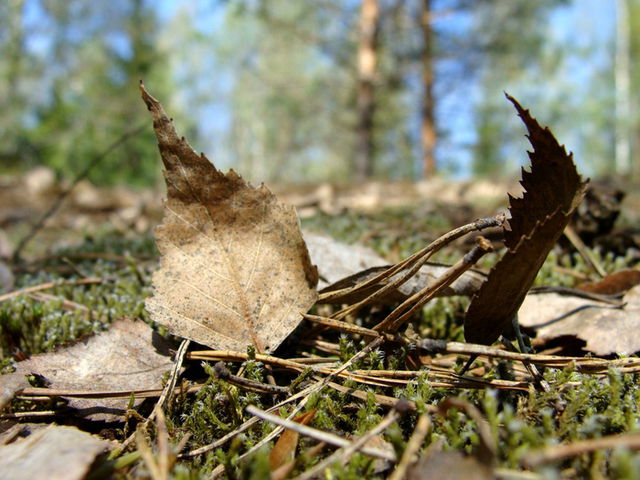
496	421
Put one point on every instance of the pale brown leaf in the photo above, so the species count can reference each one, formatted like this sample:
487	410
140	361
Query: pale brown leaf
451	465
122	358
342	266
234	270
605	330
55	452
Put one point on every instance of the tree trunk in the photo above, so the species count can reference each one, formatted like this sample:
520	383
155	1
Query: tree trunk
367	63
622	82
428	130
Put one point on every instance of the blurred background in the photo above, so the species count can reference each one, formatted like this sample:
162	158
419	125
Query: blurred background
314	91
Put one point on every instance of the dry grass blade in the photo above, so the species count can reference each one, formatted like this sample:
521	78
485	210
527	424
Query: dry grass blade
375	288
147	455
406	309
423	425
311	432
285	448
559	452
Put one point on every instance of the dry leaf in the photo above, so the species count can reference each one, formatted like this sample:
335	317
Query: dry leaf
337	260
613	283
122	358
552	190
605	330
285	448
55	452
235	270
451	465
10	384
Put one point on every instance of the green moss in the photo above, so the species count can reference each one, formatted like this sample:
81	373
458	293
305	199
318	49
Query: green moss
578	406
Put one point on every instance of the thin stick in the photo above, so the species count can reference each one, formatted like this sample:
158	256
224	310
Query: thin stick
48	285
416	258
413	447
167	393
342	456
582	364
584	252
81	176
558	452
416	301
223	373
316	434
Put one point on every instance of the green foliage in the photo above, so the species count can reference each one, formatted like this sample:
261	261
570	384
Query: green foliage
93	55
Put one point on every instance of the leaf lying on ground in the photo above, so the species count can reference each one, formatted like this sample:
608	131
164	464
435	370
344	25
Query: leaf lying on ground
552	190
613	283
337	260
122	358
452	465
54	452
235	270
605	330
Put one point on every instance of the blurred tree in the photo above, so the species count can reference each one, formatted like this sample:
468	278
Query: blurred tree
101	50
367	69
20	72
516	48
623	89
633	112
290	82
428	131
90	57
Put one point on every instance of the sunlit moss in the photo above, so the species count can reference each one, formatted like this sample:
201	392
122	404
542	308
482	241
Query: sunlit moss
578	406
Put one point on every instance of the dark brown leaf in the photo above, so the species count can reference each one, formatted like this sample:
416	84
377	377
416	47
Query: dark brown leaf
235	270
613	283
553	188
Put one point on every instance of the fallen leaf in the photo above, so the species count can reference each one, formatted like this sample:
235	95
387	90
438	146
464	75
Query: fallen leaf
234	268
285	448
614	283
552	190
55	452
605	330
337	260
10	383
122	358
451	465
